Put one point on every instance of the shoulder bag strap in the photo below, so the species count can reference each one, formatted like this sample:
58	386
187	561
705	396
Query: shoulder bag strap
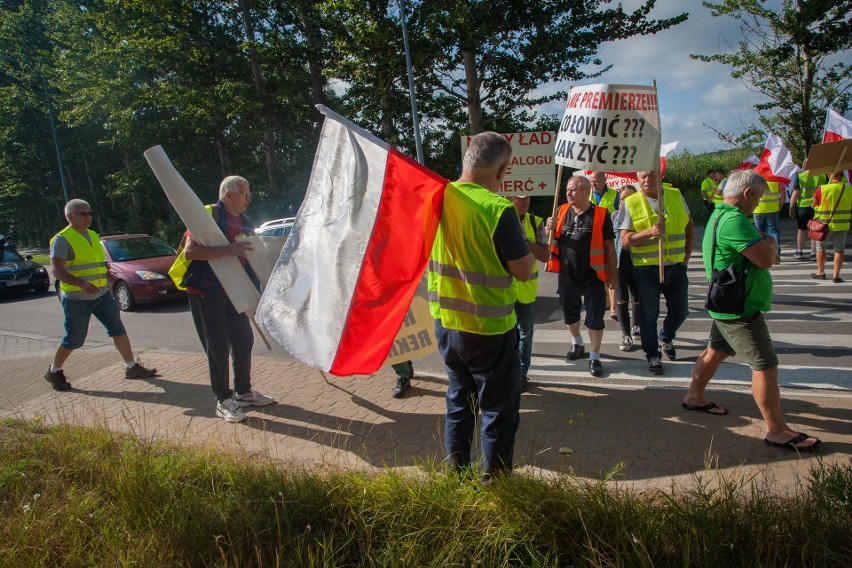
842	189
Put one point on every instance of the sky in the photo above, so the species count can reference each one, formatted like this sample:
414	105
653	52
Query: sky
691	93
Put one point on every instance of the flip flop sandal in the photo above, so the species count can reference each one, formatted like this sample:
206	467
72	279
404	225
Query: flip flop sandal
706	408
791	443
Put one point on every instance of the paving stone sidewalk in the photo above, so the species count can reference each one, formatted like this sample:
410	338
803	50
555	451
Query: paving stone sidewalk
330	422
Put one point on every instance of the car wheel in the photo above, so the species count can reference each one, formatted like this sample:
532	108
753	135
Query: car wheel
123	297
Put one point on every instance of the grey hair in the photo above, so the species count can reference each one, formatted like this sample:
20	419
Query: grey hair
583	180
232	184
487	151
75	204
738	180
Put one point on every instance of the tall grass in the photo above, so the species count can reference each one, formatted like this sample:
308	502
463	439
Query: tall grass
84	497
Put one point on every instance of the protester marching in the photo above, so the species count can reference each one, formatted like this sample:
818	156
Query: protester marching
618	235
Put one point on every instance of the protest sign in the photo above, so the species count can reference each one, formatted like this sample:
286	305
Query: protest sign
416	337
531	171
611	128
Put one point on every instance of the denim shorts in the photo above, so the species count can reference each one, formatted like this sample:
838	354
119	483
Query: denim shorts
78	313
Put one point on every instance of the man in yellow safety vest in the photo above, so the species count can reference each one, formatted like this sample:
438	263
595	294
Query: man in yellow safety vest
641	230
833	206
479	252
79	264
802	210
536	237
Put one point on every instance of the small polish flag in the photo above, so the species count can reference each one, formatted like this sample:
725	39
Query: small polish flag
748	163
776	163
836	128
350	267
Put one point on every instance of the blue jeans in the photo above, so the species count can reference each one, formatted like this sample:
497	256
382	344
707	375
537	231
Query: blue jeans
484	373
767	223
526	327
675	289
78	314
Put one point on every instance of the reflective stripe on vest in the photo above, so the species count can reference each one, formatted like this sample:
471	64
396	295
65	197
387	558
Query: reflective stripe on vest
89	261
527	291
607	200
674	244
769	200
469	288
807	188
597	252
718	195
829	194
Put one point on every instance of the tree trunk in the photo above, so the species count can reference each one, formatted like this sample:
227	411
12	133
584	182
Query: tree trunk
388	130
224	160
314	66
91	182
807	80
474	105
134	198
260	88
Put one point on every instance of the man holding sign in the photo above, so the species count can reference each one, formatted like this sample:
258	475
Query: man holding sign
641	230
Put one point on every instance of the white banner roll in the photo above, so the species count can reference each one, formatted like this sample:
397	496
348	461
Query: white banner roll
263	256
233	278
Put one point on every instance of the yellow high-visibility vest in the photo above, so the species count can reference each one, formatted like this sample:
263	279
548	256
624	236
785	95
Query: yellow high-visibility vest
89	261
674	245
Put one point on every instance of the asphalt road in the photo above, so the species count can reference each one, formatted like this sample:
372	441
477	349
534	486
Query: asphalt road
811	324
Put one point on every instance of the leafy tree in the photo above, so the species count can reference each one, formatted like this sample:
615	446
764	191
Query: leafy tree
791	57
494	55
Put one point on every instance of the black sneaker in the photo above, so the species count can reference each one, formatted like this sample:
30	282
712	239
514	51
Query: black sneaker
655	366
636	331
57	380
525	383
137	371
669	351
402	385
595	368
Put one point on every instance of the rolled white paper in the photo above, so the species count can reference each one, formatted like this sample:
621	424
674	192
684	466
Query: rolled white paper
233	278
264	254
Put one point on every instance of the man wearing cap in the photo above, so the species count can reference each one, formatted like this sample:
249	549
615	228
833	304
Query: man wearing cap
527	291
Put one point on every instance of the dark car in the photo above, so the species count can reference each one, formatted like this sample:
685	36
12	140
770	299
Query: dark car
138	269
21	273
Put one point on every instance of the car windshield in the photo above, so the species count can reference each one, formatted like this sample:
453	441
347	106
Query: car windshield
9	256
137	248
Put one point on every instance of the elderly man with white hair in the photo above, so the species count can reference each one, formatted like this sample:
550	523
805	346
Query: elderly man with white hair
732	240
79	264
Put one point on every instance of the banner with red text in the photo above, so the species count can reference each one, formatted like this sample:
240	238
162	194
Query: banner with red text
611	128
531	170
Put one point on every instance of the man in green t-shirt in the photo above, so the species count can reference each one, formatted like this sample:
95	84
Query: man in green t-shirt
745	333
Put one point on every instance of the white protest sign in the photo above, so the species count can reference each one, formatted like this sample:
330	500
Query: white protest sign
611	128
531	170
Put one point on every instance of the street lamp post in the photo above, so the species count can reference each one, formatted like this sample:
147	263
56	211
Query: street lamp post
52	127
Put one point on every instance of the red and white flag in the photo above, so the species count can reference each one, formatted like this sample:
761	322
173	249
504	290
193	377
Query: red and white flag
836	128
748	163
350	267
776	163
619	180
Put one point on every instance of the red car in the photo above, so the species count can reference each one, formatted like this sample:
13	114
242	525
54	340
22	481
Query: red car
138	269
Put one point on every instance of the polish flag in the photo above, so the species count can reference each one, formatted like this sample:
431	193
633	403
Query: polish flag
748	163
350	267
836	128
776	163
665	150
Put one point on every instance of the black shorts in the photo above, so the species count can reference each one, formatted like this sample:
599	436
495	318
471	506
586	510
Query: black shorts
803	215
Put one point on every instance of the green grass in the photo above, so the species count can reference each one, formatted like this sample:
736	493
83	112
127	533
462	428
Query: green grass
43	259
89	497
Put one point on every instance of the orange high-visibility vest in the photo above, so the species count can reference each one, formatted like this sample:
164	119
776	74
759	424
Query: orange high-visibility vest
597	252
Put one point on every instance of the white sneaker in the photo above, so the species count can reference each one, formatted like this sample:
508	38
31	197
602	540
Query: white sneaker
253	398
626	343
230	411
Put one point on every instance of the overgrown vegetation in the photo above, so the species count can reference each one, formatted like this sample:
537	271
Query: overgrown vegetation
83	497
